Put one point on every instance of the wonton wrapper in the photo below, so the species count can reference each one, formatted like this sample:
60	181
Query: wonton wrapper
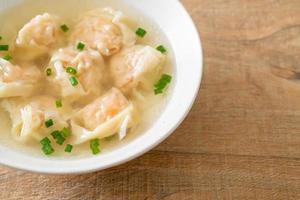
110	114
89	65
136	66
16	81
39	36
104	31
124	23
28	117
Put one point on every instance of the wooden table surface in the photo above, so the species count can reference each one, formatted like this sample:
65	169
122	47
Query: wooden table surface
242	138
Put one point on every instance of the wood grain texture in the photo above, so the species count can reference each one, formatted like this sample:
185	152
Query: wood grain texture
242	139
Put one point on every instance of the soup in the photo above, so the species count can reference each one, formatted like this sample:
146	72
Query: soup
80	82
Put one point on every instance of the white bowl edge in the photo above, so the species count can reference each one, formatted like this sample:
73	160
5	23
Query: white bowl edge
166	123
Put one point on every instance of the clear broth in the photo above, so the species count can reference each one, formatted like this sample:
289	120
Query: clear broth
13	19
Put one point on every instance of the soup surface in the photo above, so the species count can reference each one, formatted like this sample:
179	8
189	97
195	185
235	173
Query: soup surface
79	77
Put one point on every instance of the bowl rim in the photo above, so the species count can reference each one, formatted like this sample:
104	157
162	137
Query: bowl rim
29	163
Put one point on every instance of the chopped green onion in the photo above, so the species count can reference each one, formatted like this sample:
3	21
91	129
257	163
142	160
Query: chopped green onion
64	28
141	32
49	72
66	132
46	146
94	145
73	81
80	46
68	148
49	123
157	91
162	49
7	57
71	70
45	141
59	138
166	78
58	103
47	149
4	47
162	83
1	37
55	134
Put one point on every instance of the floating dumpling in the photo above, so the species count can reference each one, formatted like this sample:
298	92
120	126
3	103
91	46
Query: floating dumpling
103	31
39	35
29	116
85	67
110	114
16	81
136	66
122	21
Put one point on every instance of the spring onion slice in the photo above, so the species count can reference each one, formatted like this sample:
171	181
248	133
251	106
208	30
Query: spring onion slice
49	123
7	57
66	132
163	82
68	148
4	47
58	137
71	70
58	103
46	146
94	146
64	28
162	49
48	71
73	81
80	46
141	32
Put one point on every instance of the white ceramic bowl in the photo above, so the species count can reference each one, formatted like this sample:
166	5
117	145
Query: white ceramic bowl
173	19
